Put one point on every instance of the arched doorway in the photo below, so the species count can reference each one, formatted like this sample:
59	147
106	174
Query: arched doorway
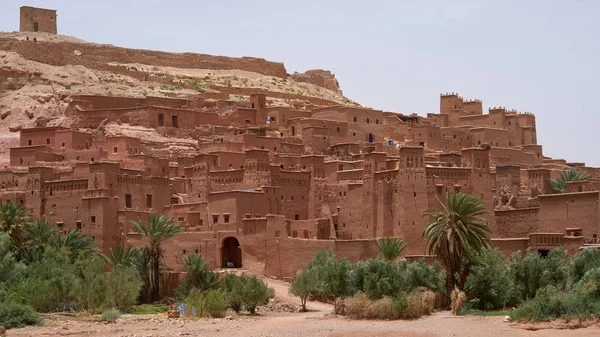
231	251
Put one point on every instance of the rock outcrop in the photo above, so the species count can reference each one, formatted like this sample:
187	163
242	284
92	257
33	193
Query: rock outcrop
322	78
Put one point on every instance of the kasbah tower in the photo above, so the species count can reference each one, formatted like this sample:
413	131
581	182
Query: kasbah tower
266	178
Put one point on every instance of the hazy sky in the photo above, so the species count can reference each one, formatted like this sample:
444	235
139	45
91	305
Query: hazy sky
539	56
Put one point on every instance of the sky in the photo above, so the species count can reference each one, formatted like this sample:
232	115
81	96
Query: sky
539	56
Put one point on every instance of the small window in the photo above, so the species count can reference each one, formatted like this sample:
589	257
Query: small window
63	145
48	141
79	225
377	121
368	121
277	234
355	119
128	200
115	149
415	194
30	142
181	219
297	217
215	219
338	129
226	218
93	219
148	200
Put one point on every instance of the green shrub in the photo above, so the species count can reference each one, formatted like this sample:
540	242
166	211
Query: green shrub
419	274
548	304
231	285
586	260
378	278
533	272
211	303
50	284
110	315
488	285
199	276
13	315
100	290
254	292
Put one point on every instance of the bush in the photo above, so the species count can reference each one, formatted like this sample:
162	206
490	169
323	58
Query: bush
407	306
382	308
110	315
586	260
50	284
231	285
413	306
359	306
13	315
532	273
211	303
419	274
488	285
548	304
378	278
199	276
100	290
254	292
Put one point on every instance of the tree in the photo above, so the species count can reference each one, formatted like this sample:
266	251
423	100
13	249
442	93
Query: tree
199	276
560	185
160	228
390	248
79	245
454	231
38	237
122	257
305	283
13	218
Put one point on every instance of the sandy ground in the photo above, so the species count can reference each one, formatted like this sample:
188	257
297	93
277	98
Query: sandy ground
317	322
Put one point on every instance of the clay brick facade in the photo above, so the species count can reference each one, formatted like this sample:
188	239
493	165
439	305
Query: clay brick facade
38	20
267	187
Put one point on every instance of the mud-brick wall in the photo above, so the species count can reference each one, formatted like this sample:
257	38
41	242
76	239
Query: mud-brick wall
516	223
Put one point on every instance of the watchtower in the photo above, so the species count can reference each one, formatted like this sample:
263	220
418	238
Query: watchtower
38	20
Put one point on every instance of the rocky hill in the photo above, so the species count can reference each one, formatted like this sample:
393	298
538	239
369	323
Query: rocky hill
37	79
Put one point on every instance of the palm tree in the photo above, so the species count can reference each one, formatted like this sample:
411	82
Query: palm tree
13	218
78	245
37	237
560	185
390	248
199	276
122	257
160	228
455	231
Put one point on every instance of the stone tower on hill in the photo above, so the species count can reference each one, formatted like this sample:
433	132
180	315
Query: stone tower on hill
38	20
